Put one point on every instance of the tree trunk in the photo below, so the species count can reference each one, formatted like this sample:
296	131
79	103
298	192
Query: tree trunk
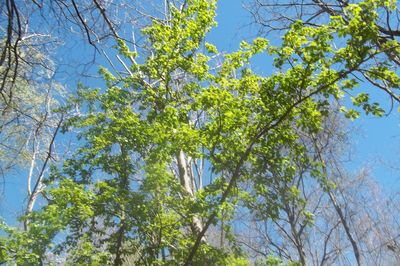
346	228
186	178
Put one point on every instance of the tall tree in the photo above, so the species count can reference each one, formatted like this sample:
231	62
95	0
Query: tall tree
137	188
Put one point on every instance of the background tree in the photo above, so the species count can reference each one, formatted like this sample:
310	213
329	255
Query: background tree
38	68
308	227
28	123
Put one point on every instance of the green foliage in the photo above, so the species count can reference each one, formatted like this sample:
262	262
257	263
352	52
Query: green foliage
124	193
274	261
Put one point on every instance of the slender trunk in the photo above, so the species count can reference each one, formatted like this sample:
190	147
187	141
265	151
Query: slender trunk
221	240
32	166
38	187
184	174
32	196
297	237
122	187
186	178
346	227
118	254
340	212
300	248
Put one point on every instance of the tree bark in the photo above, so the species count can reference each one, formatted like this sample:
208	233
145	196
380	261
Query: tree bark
186	178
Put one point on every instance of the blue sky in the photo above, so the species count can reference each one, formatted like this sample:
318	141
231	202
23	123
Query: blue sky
375	142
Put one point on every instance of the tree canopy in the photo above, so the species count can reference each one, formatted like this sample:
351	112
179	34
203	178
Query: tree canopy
186	139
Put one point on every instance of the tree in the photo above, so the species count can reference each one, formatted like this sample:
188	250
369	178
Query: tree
28	123
275	16
279	15
32	37
137	187
317	221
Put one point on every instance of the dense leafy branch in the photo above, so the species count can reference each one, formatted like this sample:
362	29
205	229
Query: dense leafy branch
133	189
